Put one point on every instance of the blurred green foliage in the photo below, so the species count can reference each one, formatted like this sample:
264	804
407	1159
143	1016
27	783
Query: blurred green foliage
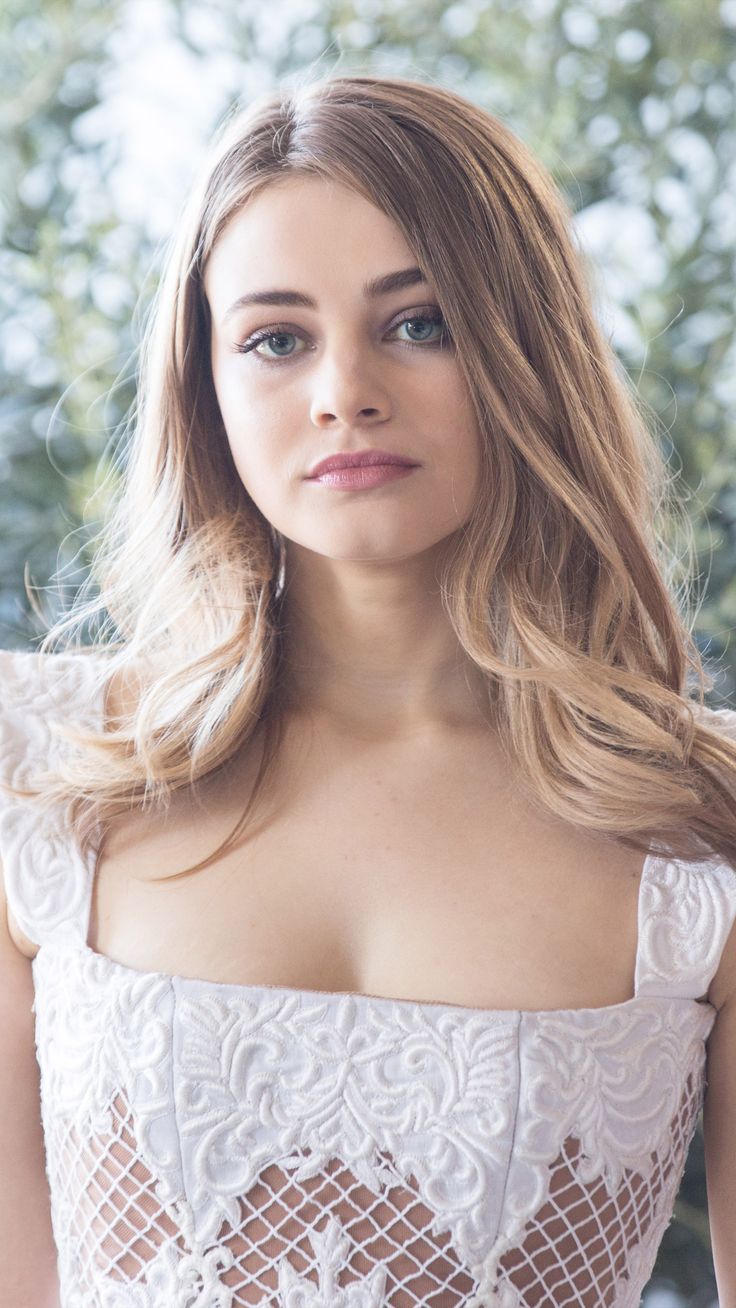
629	104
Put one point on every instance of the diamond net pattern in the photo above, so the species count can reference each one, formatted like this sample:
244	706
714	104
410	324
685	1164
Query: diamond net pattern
119	1225
572	1251
576	1249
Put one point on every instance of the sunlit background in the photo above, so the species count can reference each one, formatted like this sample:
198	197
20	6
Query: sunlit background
106	112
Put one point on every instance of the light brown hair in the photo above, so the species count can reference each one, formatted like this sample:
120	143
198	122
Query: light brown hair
563	587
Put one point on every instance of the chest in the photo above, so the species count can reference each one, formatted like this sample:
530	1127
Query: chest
418	868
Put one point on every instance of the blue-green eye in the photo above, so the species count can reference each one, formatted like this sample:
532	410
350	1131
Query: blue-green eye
278	337
278	341
428	324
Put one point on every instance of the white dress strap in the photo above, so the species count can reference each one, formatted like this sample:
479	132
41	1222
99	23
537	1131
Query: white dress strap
47	881
686	914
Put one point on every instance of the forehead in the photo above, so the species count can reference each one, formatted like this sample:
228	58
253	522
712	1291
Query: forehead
303	233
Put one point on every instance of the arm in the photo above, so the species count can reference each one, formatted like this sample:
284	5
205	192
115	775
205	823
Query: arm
28	1272
719	1123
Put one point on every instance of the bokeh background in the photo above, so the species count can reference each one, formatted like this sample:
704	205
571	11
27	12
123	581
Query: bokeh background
106	113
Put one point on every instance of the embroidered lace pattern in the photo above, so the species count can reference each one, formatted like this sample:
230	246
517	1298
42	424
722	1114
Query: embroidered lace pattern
215	1146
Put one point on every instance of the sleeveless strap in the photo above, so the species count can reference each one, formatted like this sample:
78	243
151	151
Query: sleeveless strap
47	881
686	914
686	910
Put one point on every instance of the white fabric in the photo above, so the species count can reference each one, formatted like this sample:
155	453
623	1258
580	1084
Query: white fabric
213	1145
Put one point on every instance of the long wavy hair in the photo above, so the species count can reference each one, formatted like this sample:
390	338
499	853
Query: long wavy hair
563	585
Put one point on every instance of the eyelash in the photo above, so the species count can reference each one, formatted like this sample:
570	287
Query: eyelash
432	315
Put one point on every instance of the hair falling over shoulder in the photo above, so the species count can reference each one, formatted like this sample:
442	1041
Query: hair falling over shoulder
562	587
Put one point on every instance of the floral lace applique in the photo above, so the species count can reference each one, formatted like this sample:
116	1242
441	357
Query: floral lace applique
222	1146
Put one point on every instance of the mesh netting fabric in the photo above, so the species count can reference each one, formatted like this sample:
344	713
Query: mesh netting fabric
213	1145
576	1248
329	1232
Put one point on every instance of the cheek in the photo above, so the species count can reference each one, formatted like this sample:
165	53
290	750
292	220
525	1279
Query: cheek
244	388
231	397
261	435
250	419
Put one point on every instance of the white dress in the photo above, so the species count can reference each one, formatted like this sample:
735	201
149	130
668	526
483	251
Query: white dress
214	1145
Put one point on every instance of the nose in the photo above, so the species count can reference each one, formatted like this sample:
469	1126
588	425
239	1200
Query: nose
348	392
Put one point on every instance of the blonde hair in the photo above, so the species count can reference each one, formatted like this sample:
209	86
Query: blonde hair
561	586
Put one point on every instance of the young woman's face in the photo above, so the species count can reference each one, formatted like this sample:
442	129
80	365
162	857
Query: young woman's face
348	371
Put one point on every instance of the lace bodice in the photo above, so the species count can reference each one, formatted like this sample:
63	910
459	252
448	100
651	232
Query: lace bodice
215	1145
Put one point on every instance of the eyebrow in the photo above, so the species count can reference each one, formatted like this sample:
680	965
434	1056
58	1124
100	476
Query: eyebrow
395	281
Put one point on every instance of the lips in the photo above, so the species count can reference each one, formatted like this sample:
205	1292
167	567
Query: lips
359	459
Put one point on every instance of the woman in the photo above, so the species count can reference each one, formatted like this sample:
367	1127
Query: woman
429	1025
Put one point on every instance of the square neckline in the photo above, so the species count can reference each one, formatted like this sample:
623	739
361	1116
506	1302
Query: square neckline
307	994
304	993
